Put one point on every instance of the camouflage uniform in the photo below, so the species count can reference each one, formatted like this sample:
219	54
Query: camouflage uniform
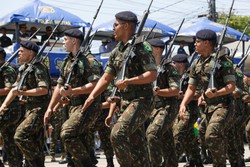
77	126
9	119
218	115
235	147
103	130
184	135
159	134
128	134
29	134
56	122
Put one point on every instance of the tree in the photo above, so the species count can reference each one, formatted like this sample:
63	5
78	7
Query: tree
237	22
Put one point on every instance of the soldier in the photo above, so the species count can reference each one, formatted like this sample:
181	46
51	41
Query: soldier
85	75
184	130
35	88
159	132
128	134
218	100
9	117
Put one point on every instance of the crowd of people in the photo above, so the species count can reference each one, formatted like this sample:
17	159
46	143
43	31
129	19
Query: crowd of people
156	104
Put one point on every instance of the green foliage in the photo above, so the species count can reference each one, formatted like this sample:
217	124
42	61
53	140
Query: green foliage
237	22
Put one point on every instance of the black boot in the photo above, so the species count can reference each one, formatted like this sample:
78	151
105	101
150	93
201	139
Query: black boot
242	162
198	163
87	163
234	165
36	163
1	164
110	162
93	157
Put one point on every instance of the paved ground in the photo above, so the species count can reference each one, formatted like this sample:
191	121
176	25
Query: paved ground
102	161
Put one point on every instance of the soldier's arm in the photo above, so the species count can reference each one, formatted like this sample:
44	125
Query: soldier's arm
10	97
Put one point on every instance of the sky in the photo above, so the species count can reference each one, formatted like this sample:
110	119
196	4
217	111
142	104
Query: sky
169	12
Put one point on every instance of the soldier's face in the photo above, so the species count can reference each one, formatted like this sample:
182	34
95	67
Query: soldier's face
24	55
200	46
118	28
68	43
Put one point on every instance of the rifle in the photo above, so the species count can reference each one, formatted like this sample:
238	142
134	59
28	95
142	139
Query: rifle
243	59
168	53
16	52
217	61
130	53
34	60
85	46
146	37
50	49
241	37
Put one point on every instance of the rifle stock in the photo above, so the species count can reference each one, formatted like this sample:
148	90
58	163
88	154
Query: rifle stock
217	65
243	59
130	53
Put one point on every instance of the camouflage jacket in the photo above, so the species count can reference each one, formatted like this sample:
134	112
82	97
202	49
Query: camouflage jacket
8	77
87	70
37	77
200	75
142	61
169	78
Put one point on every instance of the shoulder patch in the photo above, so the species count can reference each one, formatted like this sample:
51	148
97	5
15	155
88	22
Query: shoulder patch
147	47
227	64
174	72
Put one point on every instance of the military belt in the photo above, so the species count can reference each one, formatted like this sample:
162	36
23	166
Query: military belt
136	94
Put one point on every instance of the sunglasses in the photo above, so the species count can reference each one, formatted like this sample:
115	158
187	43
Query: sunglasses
117	24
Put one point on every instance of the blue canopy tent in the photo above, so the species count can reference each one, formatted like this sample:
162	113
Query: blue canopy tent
105	30
188	33
41	15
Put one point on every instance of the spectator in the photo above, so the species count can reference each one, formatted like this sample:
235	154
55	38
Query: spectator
48	33
5	41
32	31
181	49
22	33
103	48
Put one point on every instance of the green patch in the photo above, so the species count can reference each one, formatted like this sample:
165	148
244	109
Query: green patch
147	47
239	74
175	72
227	64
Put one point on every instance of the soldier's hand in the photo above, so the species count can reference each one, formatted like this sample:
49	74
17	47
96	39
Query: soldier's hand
121	84
108	121
64	100
64	92
48	114
236	94
211	92
200	100
87	103
3	108
182	112
113	99
156	91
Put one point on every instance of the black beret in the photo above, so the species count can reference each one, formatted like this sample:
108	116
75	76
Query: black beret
30	45
206	34
156	42
74	33
181	58
126	16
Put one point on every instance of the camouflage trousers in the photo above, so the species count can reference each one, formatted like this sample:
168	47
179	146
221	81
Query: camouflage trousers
56	123
185	140
75	129
160	136
235	149
218	123
29	135
104	133
9	121
128	134
248	127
